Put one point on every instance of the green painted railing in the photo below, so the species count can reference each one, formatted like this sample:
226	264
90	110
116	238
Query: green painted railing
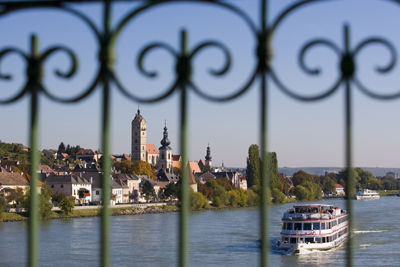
107	37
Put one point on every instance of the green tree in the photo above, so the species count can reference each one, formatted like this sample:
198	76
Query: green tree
198	201
328	185
253	166
66	205
171	190
148	190
44	201
277	196
61	148
301	193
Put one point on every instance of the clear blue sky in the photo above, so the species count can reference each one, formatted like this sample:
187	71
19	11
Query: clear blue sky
302	134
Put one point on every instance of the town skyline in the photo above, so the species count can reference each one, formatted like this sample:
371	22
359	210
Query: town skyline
301	134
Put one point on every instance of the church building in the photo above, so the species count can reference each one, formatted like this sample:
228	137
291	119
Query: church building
165	153
138	141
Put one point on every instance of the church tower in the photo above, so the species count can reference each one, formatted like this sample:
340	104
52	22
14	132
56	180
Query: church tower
208	157
138	141
165	157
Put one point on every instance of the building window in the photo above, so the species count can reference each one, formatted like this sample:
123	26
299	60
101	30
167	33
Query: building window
97	192
307	226
52	186
169	156
135	141
62	186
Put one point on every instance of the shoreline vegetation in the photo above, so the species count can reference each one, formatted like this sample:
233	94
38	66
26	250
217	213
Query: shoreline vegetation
116	211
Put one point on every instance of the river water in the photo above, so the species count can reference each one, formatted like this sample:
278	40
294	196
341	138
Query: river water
217	238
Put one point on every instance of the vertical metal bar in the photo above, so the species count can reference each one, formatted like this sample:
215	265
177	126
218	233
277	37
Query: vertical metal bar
265	175
349	166
106	65
33	72
185	198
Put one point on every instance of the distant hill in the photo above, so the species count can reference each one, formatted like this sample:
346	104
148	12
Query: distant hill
321	170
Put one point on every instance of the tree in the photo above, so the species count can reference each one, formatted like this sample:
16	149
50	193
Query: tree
61	148
148	191
44	201
301	193
277	196
124	166
272	162
171	190
328	185
198	201
253	166
66	205
15	197
143	168
137	168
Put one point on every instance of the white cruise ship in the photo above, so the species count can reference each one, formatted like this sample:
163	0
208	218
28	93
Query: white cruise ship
367	194
313	227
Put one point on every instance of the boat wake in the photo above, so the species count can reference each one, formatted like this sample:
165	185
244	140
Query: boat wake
369	231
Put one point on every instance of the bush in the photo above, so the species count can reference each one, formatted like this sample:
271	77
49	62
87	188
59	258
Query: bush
277	196
66	205
198	201
252	198
234	198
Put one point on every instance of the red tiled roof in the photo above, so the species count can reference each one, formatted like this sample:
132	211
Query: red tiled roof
176	157
151	149
176	164
339	186
194	166
85	152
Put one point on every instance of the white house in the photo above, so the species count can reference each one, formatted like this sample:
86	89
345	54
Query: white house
340	190
76	186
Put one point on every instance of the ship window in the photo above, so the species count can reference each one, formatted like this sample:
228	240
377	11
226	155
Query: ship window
316	226
318	239
297	226
322	226
284	226
301	240
307	226
285	239
324	240
309	240
289	226
292	240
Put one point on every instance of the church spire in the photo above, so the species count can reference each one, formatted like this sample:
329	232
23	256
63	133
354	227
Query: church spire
165	141
208	153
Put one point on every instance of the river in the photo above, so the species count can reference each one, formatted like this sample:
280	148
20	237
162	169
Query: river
217	238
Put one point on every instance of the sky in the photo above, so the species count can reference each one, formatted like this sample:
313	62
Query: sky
302	134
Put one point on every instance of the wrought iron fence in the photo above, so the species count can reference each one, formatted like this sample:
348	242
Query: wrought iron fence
107	36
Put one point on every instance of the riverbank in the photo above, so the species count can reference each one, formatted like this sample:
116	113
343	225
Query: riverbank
78	213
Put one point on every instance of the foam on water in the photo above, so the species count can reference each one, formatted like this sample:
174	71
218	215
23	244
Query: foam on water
369	231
